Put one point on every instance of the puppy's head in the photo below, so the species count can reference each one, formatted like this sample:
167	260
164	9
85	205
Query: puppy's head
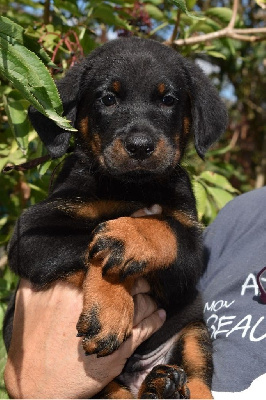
135	102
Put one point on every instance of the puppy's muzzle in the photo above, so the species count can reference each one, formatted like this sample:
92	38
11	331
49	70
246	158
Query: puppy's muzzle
139	146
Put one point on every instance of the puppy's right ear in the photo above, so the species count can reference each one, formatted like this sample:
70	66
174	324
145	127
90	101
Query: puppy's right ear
56	139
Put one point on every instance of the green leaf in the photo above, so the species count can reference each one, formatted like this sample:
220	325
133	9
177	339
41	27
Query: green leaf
154	12
216	54
69	6
190	3
10	29
210	211
201	197
229	44
220	196
224	14
181	4
206	26
18	120
44	167
29	75
106	14
37	188
3	221
217	180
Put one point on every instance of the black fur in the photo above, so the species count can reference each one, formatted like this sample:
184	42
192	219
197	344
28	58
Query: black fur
117	157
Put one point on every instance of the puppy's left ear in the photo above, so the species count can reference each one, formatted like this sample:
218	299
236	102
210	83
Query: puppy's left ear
209	114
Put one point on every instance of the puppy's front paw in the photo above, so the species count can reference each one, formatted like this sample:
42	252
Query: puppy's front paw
165	382
132	246
107	317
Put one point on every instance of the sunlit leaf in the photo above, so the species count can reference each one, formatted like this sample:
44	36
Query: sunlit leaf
154	12
217	180
9	29
201	197
220	196
224	14
216	54
29	75
44	167
181	4
37	188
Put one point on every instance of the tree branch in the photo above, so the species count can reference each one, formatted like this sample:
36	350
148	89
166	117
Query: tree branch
231	24
229	31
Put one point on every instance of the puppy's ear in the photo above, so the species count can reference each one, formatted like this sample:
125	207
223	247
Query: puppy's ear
209	115
56	139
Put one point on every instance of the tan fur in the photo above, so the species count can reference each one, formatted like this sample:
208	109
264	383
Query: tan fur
116	85
161	88
146	239
114	305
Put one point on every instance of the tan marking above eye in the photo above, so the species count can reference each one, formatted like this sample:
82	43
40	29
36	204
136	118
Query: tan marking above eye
161	88
116	85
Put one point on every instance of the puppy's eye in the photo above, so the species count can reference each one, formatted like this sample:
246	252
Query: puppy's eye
168	100
109	100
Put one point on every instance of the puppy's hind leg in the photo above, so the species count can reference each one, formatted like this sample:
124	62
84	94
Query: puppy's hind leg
192	379
196	348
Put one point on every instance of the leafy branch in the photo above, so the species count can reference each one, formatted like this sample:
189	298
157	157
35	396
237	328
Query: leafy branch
245	34
23	66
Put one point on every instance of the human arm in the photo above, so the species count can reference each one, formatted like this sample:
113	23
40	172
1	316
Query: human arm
46	359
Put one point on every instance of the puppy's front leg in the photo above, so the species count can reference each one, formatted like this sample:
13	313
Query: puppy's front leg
107	317
130	246
121	250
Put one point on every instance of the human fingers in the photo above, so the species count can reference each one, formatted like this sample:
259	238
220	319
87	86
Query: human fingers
147	327
142	332
144	306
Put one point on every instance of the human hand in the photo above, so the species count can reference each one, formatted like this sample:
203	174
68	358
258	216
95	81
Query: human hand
46	359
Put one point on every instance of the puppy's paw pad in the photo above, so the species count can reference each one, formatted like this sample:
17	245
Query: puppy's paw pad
165	382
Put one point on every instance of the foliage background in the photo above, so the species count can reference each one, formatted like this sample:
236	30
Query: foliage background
68	30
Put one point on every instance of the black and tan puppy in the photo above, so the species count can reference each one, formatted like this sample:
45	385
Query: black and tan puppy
135	104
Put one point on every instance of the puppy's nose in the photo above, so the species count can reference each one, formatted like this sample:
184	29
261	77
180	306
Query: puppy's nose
139	146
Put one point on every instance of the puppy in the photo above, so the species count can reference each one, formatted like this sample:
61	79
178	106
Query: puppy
135	104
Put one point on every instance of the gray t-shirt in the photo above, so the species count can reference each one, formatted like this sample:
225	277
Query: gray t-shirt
235	245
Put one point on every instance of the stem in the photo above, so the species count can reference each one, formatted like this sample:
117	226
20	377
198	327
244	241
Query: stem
176	28
46	12
234	15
